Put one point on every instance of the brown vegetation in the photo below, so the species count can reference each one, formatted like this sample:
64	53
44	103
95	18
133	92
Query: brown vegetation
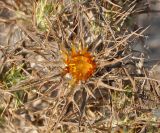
37	96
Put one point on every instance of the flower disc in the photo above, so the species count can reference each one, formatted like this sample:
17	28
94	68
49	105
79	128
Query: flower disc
80	65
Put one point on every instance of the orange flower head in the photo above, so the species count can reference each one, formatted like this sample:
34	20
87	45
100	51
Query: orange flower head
80	65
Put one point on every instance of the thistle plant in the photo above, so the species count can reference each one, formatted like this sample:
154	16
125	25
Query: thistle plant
78	74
